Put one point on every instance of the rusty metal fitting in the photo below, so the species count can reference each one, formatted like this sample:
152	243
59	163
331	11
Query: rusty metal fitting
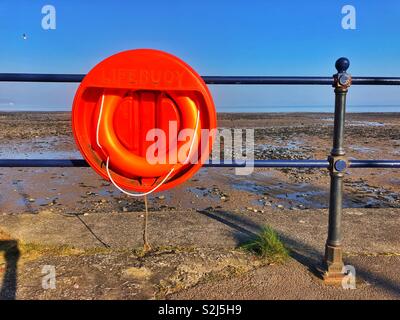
342	79
333	272
338	164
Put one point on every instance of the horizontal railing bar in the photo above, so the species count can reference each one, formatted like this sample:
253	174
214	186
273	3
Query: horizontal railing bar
9	163
222	80
222	164
271	164
374	163
376	81
243	80
41	77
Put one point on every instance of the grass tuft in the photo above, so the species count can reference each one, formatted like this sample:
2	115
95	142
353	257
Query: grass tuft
268	246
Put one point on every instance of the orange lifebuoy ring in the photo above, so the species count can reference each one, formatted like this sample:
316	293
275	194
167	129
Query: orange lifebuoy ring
127	95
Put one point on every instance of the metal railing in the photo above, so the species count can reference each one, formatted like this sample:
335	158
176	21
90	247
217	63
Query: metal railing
337	162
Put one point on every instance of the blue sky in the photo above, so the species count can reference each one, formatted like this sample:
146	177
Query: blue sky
215	37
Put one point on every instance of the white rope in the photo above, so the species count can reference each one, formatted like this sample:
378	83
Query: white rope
108	158
137	194
98	121
193	137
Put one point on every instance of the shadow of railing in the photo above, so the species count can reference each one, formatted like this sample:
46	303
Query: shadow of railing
243	229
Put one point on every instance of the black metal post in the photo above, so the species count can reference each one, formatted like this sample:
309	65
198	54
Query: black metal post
338	164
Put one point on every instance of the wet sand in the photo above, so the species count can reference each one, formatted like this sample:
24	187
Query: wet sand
277	136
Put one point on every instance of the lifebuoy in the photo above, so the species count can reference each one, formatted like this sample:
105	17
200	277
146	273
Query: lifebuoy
124	97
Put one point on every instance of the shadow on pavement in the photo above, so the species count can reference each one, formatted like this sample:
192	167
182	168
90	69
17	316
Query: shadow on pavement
9	283
78	216
244	229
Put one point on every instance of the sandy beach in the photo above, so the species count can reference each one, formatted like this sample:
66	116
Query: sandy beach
37	200
277	136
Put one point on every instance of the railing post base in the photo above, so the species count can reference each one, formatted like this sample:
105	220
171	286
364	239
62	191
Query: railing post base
333	270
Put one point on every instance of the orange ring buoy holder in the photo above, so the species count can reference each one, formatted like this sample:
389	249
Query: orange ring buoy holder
126	96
